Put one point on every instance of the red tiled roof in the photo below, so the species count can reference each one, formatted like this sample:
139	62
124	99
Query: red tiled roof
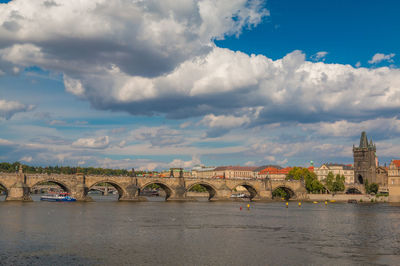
237	168
396	162
274	171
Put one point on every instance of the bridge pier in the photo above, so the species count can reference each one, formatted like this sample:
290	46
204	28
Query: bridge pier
80	193
19	192
178	193
131	193
263	195
222	194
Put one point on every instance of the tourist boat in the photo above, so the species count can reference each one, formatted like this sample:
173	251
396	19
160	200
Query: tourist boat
240	195
58	197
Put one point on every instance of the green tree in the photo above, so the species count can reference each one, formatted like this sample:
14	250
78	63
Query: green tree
366	185
280	193
310	179
338	184
330	179
198	188
374	188
371	188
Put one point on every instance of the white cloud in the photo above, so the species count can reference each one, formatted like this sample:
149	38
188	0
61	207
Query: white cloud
224	121
158	58
185	124
185	164
140	164
27	159
220	125
122	144
57	123
73	86
5	142
118	130
378	57
358	64
144	38
158	136
226	82
343	128
92	143
10	108
270	158
319	56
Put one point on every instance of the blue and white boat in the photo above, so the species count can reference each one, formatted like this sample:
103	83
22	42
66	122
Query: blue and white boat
58	197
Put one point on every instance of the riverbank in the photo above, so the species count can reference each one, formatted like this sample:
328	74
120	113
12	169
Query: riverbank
346	197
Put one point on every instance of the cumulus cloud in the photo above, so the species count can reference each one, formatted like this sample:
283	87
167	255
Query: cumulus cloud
222	124
144	38
158	58
319	56
226	82
5	142
92	143
56	122
185	164
27	159
379	127
10	108
158	136
378	57
224	121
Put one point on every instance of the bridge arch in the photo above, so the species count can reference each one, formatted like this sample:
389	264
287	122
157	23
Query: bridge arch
212	191
168	191
353	190
253	192
118	187
61	184
283	192
3	189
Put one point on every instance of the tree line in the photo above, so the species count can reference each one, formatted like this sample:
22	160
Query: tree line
331	184
13	167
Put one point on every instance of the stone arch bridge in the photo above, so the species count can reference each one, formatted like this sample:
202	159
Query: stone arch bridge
19	185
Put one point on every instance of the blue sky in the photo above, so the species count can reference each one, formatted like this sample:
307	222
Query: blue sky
349	30
155	84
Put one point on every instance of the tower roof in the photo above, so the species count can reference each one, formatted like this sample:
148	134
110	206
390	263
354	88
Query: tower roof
364	144
363	140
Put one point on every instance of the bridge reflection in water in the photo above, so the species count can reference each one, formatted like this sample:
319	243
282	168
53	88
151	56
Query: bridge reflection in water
18	186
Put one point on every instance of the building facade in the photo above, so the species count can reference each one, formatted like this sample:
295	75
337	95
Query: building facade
382	178
236	172
202	172
336	169
394	181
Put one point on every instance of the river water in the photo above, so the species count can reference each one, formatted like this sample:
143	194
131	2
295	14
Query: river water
107	232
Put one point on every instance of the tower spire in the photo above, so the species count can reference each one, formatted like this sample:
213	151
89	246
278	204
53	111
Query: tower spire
363	140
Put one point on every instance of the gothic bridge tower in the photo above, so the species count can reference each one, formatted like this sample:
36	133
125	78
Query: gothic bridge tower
364	161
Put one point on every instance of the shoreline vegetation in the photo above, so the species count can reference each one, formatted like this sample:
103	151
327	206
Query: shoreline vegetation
13	167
